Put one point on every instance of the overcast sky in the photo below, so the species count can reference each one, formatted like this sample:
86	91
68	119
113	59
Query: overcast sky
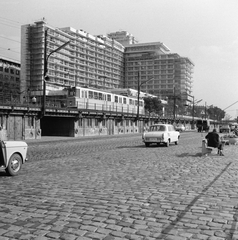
205	31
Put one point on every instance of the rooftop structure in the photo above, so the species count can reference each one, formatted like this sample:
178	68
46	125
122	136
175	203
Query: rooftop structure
123	37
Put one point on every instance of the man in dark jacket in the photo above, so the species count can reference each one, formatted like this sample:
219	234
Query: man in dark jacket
213	140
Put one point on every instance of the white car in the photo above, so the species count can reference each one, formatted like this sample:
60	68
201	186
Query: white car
180	127
12	155
161	133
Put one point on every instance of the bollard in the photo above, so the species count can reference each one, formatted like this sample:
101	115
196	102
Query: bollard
205	149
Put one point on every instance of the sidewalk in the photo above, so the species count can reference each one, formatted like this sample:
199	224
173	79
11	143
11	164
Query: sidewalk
49	139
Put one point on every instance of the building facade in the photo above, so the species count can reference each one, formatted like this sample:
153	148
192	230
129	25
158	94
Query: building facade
87	60
163	73
9	80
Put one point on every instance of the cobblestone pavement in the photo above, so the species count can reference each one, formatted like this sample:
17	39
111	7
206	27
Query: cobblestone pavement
116	188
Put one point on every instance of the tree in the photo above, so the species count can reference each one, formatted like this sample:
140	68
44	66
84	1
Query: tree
216	113
153	105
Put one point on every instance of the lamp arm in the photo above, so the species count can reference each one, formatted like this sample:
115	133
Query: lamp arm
56	50
146	81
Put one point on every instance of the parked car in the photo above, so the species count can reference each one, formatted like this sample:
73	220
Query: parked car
161	133
180	127
12	155
224	129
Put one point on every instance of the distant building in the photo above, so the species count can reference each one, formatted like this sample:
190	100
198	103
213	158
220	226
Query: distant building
9	80
93	61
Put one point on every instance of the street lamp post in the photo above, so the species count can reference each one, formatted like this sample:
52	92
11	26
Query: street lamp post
46	57
174	107
175	97
193	107
138	92
194	103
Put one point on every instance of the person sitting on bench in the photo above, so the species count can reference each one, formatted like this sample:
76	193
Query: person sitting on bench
213	140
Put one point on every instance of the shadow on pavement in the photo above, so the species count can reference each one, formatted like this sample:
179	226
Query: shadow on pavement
143	146
138	146
171	226
3	174
189	155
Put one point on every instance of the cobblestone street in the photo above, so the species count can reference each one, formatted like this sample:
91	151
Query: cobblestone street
116	188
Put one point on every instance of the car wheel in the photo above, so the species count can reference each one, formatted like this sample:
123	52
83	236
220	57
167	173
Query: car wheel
167	143
14	165
176	142
147	144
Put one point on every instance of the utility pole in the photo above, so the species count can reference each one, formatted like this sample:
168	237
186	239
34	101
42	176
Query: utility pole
174	109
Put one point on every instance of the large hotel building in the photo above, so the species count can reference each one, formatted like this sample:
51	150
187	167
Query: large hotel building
93	61
112	61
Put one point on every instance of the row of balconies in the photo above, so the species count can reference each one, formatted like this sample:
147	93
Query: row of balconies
89	45
90	62
84	68
77	73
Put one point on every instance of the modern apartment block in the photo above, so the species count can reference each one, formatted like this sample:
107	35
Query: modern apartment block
92	61
9	80
159	72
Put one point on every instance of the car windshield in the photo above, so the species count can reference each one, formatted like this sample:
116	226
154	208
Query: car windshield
159	128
